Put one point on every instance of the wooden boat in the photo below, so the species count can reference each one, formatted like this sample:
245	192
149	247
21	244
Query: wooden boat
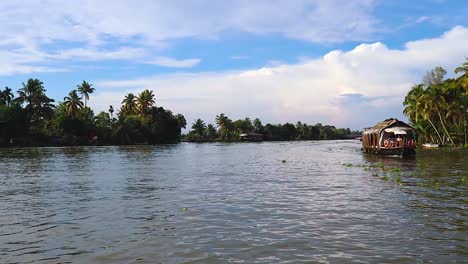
430	145
251	137
390	137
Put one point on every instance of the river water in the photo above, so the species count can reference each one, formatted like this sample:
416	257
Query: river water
291	202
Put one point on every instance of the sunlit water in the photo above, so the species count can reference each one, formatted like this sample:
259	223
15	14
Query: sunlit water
217	203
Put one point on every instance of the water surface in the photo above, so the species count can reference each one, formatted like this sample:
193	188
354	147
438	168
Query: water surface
217	203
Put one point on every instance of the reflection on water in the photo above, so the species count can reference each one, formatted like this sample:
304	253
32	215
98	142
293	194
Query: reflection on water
212	203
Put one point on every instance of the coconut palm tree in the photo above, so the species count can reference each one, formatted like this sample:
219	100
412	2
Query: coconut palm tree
426	108
411	103
181	120
224	125
145	101
464	77
199	128
72	104
129	104
6	96
85	90
257	125
211	132
38	105
111	111
435	97
454	115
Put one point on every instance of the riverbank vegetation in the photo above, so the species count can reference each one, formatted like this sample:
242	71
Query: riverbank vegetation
33	119
438	107
226	129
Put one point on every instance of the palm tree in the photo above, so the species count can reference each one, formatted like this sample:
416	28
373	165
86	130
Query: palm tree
199	128
411	103
181	120
85	90
72	103
129	104
435	97
454	115
257	125
38	105
145	101
6	96
111	111
464	77
224	125
211	132
426	108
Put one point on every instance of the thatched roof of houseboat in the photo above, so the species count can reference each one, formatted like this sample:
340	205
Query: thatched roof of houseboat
385	124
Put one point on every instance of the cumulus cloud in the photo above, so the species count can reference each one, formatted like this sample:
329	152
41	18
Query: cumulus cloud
352	88
91	30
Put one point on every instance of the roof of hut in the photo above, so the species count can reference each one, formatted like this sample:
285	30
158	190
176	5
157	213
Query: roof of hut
386	123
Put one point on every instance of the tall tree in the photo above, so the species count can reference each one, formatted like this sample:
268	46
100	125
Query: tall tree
6	96
211	132
435	97
181	120
464	77
111	111
145	101
72	104
129	104
434	76
85	90
258	125
225	126
199	128
411	103
38	105
426	108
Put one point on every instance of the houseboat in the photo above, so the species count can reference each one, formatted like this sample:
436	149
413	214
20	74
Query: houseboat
390	137
251	137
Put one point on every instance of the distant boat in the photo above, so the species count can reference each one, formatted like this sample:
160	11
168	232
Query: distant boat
390	137
251	137
430	145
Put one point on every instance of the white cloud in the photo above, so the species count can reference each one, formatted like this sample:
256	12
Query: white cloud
238	57
94	54
91	21
174	63
105	29
314	90
422	19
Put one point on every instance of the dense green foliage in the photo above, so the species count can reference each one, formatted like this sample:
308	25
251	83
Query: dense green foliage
229	130
31	119
438	108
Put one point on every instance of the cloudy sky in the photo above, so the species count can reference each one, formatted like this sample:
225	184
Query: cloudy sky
340	62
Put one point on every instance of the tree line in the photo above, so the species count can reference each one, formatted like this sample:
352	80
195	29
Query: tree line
226	129
438	107
33	119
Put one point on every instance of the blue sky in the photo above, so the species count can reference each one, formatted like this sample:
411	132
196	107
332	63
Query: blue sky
347	63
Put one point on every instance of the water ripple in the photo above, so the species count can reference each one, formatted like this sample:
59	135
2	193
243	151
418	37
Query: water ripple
212	203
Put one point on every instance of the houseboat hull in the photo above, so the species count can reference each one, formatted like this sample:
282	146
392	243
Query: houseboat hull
251	137
403	152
